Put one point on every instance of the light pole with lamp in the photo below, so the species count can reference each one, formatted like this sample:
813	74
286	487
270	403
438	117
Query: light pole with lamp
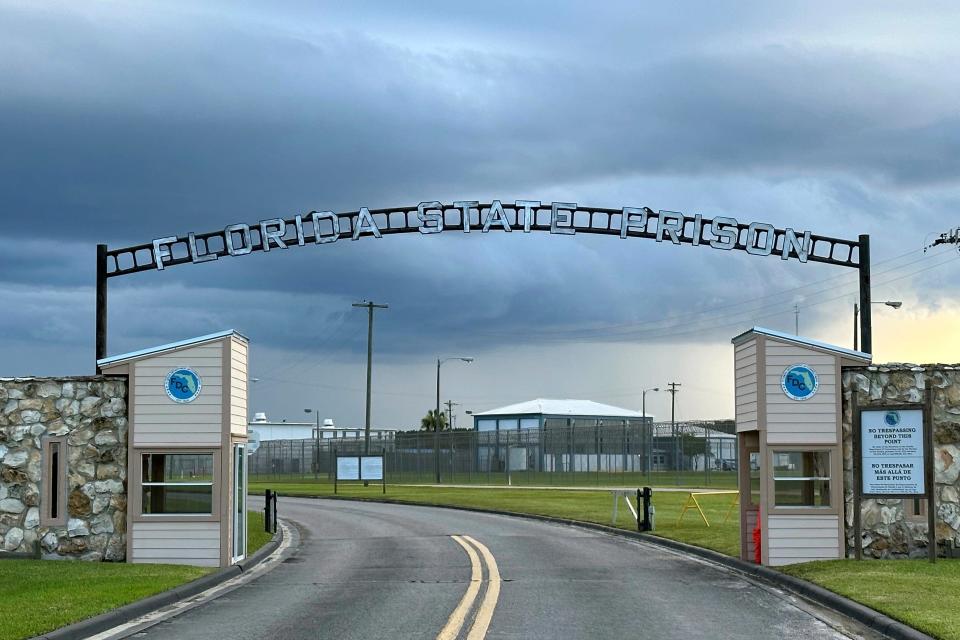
650	430
316	444
896	304
436	415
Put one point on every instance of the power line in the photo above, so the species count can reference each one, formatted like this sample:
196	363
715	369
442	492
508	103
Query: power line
611	328
744	316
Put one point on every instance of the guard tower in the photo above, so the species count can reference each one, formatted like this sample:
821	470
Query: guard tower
788	413
186	460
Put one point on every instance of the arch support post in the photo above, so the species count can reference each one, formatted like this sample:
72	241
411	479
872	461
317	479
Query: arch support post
866	325
101	338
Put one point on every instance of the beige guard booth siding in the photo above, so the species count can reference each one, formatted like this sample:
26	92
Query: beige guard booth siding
212	423
769	421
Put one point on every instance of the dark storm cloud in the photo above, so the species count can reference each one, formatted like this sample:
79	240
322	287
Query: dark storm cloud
121	124
150	127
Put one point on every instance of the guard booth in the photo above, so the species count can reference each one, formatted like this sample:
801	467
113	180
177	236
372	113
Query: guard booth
788	414
186	454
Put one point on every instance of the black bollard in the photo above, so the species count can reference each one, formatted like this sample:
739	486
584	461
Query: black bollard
267	508
643	497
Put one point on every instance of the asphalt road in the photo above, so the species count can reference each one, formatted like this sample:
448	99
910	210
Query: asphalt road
367	570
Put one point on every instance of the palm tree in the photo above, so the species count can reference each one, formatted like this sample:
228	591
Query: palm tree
429	421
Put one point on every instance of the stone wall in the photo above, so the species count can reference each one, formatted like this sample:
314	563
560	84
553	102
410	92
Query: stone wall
92	413
888	531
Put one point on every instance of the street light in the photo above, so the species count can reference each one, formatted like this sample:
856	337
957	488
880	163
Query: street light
650	431
316	443
895	304
436	415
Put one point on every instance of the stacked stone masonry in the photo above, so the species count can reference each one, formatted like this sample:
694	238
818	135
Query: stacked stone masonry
889	530
92	413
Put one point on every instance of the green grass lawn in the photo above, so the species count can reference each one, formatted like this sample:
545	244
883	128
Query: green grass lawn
590	506
256	536
37	596
923	595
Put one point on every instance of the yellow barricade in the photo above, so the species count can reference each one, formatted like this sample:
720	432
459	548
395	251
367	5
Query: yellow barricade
692	503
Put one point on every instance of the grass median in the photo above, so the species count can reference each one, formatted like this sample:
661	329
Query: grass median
587	505
256	536
37	596
920	594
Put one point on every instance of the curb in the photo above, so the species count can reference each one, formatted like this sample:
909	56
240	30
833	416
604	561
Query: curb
865	615
126	613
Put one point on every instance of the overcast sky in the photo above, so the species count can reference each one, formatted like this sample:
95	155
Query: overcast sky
124	122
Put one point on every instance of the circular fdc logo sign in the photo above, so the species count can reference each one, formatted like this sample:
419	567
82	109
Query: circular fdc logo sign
892	418
182	385
799	382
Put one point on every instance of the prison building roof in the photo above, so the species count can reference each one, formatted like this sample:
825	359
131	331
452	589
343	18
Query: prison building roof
564	407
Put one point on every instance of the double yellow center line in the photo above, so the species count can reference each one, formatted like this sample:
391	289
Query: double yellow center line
484	614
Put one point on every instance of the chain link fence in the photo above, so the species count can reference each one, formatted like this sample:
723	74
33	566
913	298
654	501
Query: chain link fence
607	455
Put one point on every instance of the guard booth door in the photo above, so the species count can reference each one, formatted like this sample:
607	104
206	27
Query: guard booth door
749	483
239	502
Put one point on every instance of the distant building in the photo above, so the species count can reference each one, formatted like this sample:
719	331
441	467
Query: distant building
283	430
693	445
582	435
545	412
271	430
559	435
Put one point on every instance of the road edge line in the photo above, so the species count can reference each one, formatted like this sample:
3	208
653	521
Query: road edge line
138	608
861	613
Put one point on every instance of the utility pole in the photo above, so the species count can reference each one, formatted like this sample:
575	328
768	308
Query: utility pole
673	425
648	431
316	443
796	320
450	405
370	307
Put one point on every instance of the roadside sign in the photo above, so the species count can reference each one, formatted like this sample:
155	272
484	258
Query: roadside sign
371	467
359	468
893	458
892	452
348	468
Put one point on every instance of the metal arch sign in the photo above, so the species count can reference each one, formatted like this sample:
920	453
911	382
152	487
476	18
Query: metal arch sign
466	216
433	217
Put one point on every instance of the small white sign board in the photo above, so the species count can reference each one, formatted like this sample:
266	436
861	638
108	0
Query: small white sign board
518	459
371	467
891	446
348	468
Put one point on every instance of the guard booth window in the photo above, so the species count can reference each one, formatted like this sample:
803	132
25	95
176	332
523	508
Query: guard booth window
801	478
177	483
754	474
